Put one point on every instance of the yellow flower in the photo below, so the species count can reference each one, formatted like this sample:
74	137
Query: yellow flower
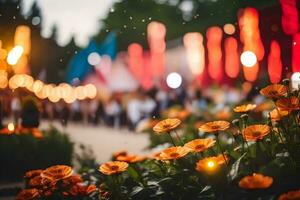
57	172
214	126
200	145
166	125
173	153
288	103
210	164
292	195
256	181
113	167
256	132
274	91
244	108
277	114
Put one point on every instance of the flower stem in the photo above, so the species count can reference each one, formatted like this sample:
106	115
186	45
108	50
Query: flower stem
218	142
174	144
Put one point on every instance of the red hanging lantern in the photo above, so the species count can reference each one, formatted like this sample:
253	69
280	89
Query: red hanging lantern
193	43
214	38
232	64
289	19
274	62
296	53
135	60
250	37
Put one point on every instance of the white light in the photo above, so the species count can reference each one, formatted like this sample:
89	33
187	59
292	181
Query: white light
36	21
248	59
94	58
15	54
295	78
11	127
174	80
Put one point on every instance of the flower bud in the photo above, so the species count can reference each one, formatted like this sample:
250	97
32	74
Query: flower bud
236	122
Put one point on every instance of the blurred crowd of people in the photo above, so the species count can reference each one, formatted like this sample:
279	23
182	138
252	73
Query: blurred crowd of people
122	109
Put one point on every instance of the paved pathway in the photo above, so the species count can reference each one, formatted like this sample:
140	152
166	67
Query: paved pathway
103	140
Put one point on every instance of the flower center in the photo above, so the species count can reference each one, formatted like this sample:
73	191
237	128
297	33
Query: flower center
215	127
114	167
256	133
166	126
273	92
173	155
199	146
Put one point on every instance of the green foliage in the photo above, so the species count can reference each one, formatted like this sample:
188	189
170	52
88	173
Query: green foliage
20	153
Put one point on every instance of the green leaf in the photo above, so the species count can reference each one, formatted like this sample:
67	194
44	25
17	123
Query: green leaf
233	173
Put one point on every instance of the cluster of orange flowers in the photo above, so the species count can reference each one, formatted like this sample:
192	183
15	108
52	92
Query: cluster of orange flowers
55	179
35	132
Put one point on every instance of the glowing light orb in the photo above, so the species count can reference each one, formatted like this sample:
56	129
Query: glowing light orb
174	80
14	55
94	58
229	29
11	127
210	164
248	59
295	80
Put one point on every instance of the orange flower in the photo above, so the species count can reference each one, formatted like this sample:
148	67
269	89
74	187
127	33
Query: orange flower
130	158
119	153
155	156
244	108
28	194
210	164
200	145
36	182
173	153
277	114
57	172
113	167
86	190
256	132
166	125
72	180
33	173
274	91
288	103
292	195
256	181
214	126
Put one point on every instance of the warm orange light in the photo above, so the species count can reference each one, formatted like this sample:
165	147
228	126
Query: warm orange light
135	60
229	29
14	55
23	38
195	52
11	127
3	79
214	37
274	62
210	164
156	32
232	64
250	37
91	91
